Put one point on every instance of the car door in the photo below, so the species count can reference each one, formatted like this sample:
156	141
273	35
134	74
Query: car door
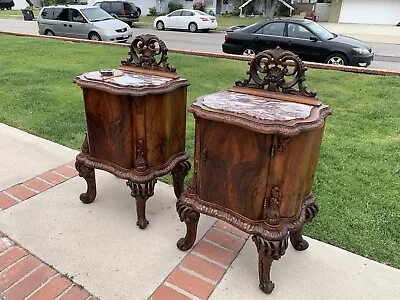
304	43
269	36
78	25
61	24
185	18
173	19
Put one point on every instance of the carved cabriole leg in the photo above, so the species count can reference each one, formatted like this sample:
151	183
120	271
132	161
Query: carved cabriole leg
191	218
88	174
268	251
141	192
178	175
296	238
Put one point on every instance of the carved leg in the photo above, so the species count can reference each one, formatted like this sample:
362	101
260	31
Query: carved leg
141	192
178	175
88	174
191	218
268	251
296	238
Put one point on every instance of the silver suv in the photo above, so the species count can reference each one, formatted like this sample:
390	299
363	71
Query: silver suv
82	21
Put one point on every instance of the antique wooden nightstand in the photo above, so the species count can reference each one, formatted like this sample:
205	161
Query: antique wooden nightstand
256	151
136	123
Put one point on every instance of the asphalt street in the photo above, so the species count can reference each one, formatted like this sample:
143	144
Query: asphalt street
387	56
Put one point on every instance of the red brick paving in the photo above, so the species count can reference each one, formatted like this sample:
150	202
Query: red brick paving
21	192
52	177
6	201
37	184
52	289
165	292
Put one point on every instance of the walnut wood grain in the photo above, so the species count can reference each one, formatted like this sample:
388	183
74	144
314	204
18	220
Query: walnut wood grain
135	132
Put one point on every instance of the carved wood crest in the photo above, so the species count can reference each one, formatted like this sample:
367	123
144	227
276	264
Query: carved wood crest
143	51
277	70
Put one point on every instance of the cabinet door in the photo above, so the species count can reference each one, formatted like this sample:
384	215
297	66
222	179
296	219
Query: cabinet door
233	168
109	120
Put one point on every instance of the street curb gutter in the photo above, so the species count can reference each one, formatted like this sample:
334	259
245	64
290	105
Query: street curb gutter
220	55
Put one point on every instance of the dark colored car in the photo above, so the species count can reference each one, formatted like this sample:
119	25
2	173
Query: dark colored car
6	4
122	10
309	40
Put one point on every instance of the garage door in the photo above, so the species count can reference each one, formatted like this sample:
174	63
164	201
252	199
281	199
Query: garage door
370	12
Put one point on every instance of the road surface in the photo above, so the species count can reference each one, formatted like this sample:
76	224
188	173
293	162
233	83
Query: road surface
387	56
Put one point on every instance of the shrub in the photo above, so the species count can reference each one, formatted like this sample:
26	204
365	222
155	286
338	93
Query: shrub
199	6
152	11
174	6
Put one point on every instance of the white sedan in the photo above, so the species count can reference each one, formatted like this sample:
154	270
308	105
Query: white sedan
192	20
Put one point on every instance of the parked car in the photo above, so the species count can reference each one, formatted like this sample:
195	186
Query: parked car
82	21
187	19
122	10
6	4
309	40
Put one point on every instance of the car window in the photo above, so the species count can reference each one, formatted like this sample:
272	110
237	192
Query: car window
47	13
61	14
129	7
186	13
117	6
299	31
175	14
76	16
95	14
104	6
275	28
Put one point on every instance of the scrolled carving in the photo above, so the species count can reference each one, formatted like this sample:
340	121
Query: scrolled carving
140	156
178	175
311	211
143	50
191	217
85	145
273	206
275	249
277	70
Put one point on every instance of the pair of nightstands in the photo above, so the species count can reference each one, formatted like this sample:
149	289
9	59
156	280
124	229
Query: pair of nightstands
256	144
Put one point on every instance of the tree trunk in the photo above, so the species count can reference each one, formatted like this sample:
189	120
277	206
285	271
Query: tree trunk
270	7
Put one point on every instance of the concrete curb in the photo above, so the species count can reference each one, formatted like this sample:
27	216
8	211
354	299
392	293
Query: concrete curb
224	56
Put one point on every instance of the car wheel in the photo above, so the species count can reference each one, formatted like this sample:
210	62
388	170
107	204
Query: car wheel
160	25
192	27
249	52
336	59
49	32
93	36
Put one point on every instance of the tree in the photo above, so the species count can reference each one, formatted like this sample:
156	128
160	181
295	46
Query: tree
270	8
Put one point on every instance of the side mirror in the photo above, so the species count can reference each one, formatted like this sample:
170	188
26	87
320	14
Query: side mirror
314	39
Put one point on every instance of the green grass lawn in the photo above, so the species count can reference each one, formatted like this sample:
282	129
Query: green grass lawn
14	13
357	180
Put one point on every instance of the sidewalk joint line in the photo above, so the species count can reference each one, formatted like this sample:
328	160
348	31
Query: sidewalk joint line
197	275
210	260
22	278
13	264
65	291
218	245
12	196
41	286
178	289
230	233
29	188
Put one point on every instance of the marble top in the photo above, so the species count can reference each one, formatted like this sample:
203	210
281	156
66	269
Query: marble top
128	79
257	107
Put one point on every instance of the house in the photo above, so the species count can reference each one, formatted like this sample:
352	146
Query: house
385	12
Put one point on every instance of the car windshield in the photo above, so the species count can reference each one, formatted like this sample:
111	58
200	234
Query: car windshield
96	14
320	31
